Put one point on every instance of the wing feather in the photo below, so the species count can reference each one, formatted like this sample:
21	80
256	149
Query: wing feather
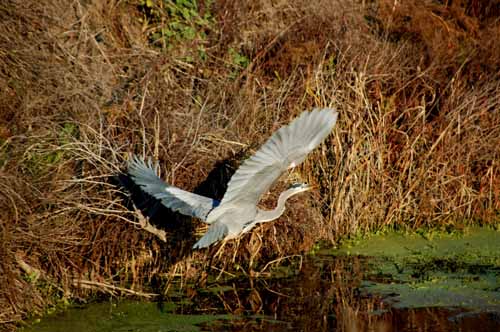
215	232
145	175
286	148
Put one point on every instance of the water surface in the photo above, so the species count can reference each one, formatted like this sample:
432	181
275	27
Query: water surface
387	283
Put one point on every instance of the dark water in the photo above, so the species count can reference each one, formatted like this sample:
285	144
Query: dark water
319	293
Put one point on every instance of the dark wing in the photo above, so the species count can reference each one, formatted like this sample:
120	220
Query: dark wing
145	175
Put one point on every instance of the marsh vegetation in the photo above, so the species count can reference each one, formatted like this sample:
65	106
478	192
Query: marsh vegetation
199	85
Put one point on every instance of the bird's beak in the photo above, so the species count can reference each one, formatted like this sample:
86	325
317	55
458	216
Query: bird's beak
308	187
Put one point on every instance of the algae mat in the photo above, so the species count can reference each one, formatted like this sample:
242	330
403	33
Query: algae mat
432	269
123	316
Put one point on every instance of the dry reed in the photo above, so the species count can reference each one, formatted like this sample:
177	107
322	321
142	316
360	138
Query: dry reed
417	87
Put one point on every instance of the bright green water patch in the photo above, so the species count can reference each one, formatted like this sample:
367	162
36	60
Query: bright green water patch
451	270
474	244
124	316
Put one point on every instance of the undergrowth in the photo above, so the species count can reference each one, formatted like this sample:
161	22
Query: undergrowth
199	86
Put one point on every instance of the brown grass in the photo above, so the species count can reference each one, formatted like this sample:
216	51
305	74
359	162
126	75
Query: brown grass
416	84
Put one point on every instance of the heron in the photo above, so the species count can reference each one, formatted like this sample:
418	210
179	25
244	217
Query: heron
237	212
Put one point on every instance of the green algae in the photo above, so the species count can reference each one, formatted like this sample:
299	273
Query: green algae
123	316
419	274
473	244
418	270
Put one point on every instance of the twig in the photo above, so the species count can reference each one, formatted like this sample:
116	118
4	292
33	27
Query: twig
146	225
108	287
279	260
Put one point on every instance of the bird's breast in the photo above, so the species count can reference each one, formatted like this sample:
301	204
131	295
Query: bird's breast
236	218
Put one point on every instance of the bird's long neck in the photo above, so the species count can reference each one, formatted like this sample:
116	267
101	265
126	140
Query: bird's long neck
264	215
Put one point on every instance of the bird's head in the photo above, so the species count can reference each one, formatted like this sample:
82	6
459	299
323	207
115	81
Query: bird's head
300	187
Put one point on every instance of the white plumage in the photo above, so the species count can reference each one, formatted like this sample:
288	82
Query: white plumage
237	213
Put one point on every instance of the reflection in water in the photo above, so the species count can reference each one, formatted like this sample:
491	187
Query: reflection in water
324	296
317	294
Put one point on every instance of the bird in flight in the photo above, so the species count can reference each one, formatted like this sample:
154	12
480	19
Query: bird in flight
237	212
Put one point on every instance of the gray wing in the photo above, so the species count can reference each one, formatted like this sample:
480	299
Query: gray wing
215	232
145	175
286	148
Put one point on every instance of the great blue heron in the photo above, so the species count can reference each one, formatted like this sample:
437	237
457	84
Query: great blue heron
237	213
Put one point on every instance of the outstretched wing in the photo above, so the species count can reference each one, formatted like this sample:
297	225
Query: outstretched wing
286	148
145	175
216	231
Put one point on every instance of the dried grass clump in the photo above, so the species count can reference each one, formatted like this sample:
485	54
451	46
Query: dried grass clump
416	143
406	88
